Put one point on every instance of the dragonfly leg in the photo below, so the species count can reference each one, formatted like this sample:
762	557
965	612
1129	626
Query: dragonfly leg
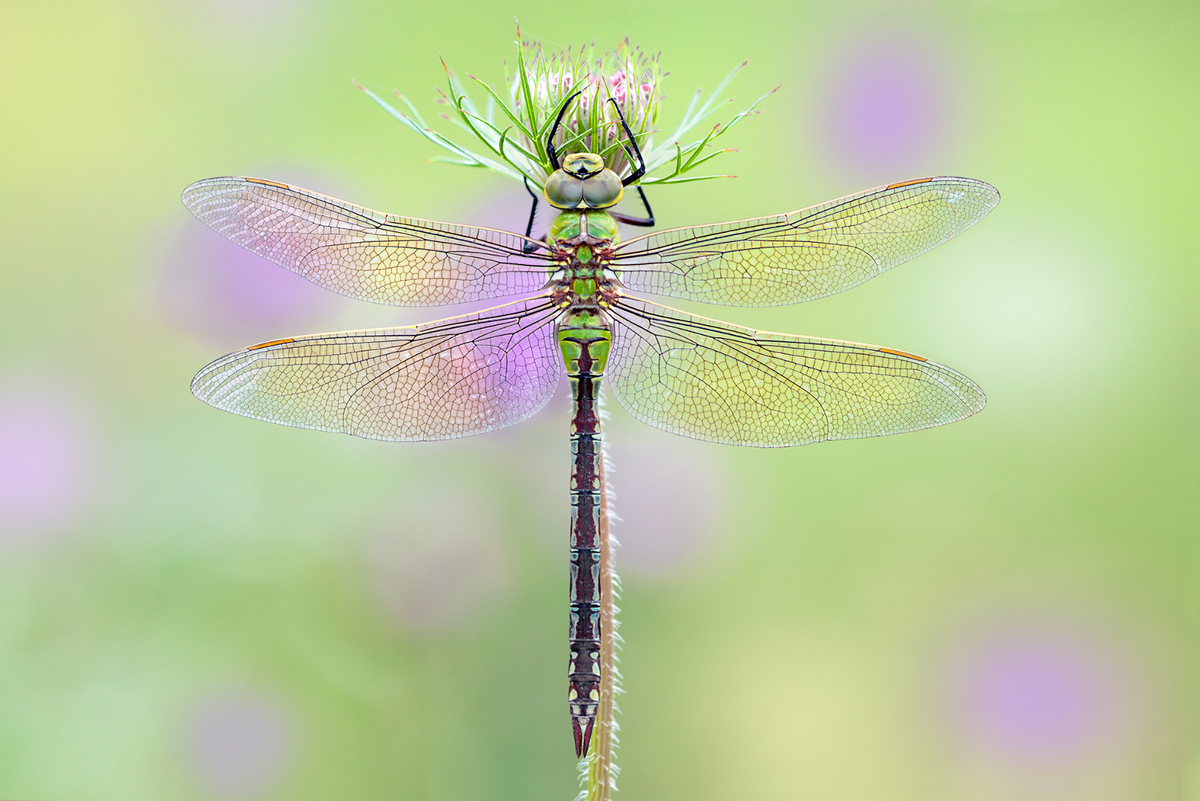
551	153
629	219
641	162
529	247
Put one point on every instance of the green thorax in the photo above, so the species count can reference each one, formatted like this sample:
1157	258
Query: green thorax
589	226
579	235
583	334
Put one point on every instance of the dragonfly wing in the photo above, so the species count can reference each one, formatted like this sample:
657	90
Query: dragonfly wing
724	383
362	253
806	254
440	380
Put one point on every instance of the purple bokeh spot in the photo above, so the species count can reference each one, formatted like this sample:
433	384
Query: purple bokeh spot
1041	692
505	207
886	108
438	563
239	745
228	295
47	464
668	495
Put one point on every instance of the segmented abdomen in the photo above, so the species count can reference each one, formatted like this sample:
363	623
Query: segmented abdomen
586	464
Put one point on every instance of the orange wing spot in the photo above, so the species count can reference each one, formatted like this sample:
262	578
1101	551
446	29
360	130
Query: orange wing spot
269	344
902	353
285	186
910	183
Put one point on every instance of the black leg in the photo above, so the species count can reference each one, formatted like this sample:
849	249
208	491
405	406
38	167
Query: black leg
641	169
550	151
528	247
646	221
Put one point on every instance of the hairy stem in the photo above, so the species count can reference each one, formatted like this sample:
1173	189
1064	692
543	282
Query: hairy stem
601	766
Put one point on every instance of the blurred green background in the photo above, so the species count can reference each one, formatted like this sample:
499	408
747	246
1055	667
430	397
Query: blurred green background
195	605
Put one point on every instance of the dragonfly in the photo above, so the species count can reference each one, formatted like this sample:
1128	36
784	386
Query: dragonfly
678	372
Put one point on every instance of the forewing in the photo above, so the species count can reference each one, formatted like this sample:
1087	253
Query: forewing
806	254
362	253
441	380
720	382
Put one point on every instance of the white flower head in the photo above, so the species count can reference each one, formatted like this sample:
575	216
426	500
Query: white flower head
514	129
623	79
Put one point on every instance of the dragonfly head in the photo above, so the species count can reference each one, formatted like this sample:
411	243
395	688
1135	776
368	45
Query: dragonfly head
583	165
583	182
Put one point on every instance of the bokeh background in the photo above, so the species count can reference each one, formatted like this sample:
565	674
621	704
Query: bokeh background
199	606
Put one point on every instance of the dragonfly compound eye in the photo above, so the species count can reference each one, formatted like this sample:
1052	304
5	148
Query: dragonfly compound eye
602	190
563	191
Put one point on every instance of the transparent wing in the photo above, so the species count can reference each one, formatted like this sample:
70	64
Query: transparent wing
362	253
720	382
441	380
806	254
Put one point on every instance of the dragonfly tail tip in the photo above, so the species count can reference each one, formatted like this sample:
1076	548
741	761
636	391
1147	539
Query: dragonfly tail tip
582	726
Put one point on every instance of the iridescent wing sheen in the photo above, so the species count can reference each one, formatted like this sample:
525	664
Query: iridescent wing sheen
440	380
806	254
362	253
724	383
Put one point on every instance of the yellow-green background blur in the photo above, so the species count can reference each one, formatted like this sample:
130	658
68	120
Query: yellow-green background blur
195	605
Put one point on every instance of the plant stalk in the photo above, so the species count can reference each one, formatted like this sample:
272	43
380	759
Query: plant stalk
601	767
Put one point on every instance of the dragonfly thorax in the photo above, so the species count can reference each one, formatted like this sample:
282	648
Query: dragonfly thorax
583	182
581	245
572	229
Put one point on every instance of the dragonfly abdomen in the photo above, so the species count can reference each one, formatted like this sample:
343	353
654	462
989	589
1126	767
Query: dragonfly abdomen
584	341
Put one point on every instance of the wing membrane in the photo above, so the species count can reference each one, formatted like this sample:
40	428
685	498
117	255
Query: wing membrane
363	253
724	383
806	254
441	380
